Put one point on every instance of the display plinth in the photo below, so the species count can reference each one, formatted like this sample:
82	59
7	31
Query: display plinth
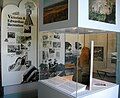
96	15
100	89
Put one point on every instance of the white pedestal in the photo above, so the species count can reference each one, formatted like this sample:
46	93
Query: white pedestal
100	89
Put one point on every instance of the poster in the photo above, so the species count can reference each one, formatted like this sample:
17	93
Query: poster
102	10
18	43
55	10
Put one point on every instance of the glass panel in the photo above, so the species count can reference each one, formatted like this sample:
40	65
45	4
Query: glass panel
105	55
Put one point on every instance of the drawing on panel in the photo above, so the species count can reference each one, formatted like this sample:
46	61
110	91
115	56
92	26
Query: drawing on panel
20	64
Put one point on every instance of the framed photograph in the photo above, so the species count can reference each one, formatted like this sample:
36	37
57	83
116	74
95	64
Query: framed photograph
102	10
98	53
54	11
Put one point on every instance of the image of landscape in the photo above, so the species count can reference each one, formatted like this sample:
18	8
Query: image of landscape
55	10
102	10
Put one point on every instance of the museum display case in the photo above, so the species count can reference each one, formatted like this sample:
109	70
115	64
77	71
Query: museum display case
65	57
65	49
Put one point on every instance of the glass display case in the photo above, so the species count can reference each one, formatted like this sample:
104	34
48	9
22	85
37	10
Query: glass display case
65	57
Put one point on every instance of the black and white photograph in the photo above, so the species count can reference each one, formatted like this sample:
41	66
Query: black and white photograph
45	55
57	54
47	44
56	36
56	44
45	37
11	34
23	39
78	46
68	47
13	48
23	47
51	50
21	63
27	29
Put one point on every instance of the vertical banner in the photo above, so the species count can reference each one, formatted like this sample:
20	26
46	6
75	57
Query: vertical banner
18	43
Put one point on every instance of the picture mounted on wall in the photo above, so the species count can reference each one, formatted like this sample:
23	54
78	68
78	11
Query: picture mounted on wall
98	53
55	10
102	10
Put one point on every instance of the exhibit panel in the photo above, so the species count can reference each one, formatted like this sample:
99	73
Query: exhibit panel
18	43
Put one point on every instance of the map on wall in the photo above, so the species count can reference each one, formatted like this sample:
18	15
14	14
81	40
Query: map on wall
55	10
102	10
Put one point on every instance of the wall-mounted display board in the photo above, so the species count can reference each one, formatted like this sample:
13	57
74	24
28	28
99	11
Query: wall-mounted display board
18	43
91	14
51	54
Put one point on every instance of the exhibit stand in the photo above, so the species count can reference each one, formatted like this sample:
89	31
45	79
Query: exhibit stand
100	89
18	40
